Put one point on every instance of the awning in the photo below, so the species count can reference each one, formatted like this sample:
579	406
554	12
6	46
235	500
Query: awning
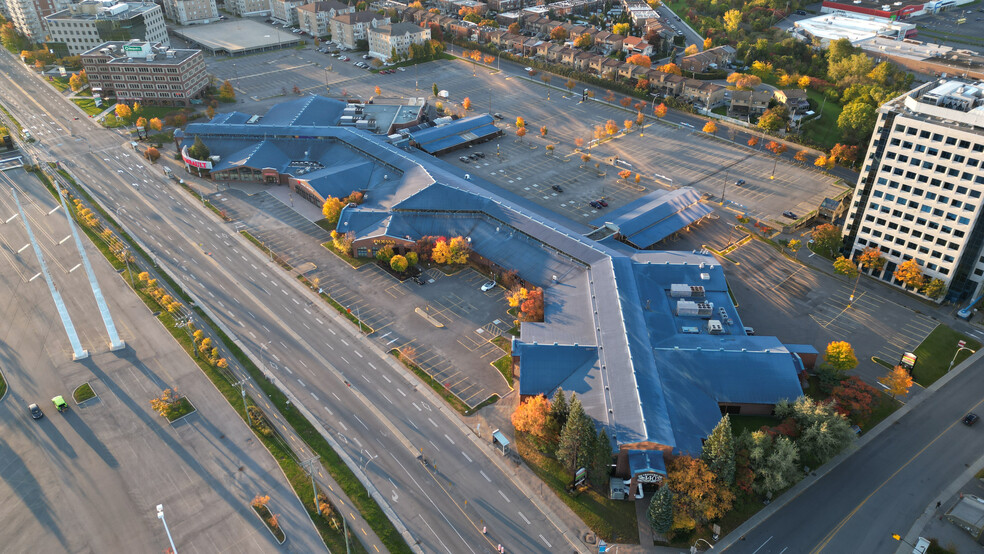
498	437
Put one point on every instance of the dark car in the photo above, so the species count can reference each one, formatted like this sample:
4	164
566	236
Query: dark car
36	412
480	154
557	188
603	203
419	281
800	12
789	214
497	115
739	182
595	204
970	419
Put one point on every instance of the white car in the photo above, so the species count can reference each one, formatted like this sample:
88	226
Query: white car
489	285
527	69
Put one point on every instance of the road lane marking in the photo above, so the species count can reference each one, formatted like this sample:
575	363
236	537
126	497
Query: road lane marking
466	456
432	422
366	378
357	353
302	383
524	518
486	476
374	367
504	497
314	396
343	342
387	398
763	544
546	542
327	409
434	445
360	421
449	438
319	321
401	392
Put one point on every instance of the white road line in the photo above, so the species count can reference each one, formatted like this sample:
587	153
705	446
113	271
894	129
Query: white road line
366	378
295	301
308	312
449	438
336	397
330	330
319	321
387	398
343	359
546	542
315	397
504	497
763	544
384	376
410	421
302	362
434	445
374	367
327	409
305	326
486	476
302	383
393	340
329	346
400	391
382	337
466	456
524	518
343	342
357	353
432	422
360	421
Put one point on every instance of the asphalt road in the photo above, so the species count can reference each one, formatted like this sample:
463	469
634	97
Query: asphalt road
89	479
370	406
885	485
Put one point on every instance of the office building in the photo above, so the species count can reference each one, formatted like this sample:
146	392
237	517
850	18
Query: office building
919	193
89	23
150	74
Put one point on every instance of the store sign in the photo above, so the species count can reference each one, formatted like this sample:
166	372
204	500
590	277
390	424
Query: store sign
649	478
193	162
128	48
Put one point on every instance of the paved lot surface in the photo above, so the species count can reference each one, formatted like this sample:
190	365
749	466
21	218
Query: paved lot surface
942	28
457	355
800	305
665	155
89	479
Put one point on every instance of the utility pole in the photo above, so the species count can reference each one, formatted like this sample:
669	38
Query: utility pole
160	516
242	389
309	465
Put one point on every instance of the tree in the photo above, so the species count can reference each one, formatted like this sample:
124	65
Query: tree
411	258
823	162
934	289
454	251
198	150
466	103
910	273
584	42
872	259
698	496
827	238
840	356
801	155
752	141
559	408
823	431
708	42
558	33
520	122
155	124
670	68
570	84
532	307
776	148
770	121
732	19
621	29
690	50
627	124
398	263
661	511
744	81
710	127
574	449
342	241
601	460
165	402
531	415
772	463
803	82
75	82
434	89
660	110
844	266
719	451
794	245
226	92
521	132
857	121
640	60
332	210
123	111
611	127
898	381
152	154
579	143
854	398
514	28
845	152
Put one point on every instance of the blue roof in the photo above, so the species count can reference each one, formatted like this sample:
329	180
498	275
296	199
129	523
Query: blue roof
310	110
655	216
551	365
459	132
646	461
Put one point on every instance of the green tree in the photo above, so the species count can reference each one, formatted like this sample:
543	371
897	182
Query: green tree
840	356
770	121
412	258
826	238
774	463
574	449
844	266
198	150
435	89
839	49
856	121
226	92
850	70
385	254
823	431
661	511
719	451
559	408
934	289
601	460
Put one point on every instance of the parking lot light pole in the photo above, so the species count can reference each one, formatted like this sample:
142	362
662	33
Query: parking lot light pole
160	516
960	346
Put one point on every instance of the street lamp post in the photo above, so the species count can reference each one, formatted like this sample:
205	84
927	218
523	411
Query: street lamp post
160	516
693	548
960	346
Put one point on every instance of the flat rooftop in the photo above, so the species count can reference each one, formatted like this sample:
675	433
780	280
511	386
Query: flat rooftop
856	28
242	36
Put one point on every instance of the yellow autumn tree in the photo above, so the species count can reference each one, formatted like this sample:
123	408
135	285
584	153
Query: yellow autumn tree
840	355
531	415
898	381
454	251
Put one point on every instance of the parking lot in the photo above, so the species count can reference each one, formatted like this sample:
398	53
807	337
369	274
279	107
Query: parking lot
458	355
800	305
943	28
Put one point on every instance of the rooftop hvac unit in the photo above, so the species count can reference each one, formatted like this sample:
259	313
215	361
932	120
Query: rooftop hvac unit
689	308
714	327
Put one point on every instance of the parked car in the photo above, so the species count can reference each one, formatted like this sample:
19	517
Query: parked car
402	68
557	188
36	412
419	281
527	69
497	115
59	403
603	203
739	182
489	285
594	204
463	158
970	419
480	154
789	214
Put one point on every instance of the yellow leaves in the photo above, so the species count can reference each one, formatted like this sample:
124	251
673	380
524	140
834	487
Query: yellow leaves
260	501
840	356
143	276
710	127
531	415
897	380
517	297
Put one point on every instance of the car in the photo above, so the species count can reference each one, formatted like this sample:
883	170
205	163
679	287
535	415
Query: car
497	115
463	159
527	69
402	68
365	56
603	203
473	156
739	182
594	204
488	285
970	419
789	214
480	154
36	412
59	403
419	281
800	12
557	188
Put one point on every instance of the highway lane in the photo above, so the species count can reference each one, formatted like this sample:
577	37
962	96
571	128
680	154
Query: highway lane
884	486
439	515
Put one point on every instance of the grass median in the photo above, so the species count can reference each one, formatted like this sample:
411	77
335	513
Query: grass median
937	350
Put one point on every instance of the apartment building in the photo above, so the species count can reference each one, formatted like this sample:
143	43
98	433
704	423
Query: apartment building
191	12
919	193
285	11
89	23
315	18
148	73
249	8
387	39
28	15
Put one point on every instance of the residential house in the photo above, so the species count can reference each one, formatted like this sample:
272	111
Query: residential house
711	58
583	60
386	40
749	102
462	29
794	99
636	45
609	68
349	28
666	84
608	42
314	18
703	94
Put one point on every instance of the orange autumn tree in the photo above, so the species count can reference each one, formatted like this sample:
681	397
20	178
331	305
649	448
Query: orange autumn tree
532	415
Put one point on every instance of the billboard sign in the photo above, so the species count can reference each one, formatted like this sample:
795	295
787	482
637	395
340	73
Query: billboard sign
193	162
